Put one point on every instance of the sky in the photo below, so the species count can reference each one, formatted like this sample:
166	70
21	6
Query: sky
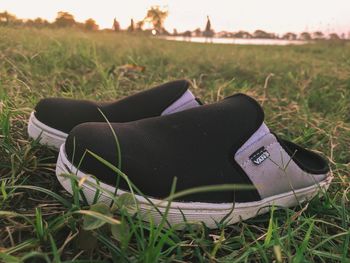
277	16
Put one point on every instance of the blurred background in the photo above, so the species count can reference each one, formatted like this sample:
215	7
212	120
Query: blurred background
249	19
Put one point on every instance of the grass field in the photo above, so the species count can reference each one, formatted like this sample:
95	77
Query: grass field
305	92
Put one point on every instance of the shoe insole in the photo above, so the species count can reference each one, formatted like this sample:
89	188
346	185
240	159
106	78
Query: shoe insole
307	160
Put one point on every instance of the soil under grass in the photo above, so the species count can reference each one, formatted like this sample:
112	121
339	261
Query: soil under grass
305	92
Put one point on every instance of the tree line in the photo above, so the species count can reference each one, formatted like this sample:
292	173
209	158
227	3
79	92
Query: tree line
317	35
154	20
63	19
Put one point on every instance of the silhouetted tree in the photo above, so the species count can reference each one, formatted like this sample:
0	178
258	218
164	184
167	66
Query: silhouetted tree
305	36
208	31
262	34
139	25
131	28
187	33
8	19
90	24
197	32
116	25
318	35
38	23
64	19
242	34
334	36
156	16
289	36
175	33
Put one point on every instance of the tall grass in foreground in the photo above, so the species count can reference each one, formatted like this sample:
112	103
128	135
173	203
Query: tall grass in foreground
306	99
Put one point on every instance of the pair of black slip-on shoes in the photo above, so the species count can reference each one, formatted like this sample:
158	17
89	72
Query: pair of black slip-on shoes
165	132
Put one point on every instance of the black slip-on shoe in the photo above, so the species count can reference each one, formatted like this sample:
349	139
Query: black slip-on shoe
54	118
222	143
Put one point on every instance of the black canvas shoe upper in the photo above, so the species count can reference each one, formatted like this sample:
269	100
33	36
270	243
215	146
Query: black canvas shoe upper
222	143
64	114
197	146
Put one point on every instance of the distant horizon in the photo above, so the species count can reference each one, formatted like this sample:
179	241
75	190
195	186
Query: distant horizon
314	15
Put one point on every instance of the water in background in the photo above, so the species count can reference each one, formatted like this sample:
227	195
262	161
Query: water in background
237	41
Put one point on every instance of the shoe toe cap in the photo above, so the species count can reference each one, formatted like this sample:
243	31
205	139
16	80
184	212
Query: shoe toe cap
89	139
64	114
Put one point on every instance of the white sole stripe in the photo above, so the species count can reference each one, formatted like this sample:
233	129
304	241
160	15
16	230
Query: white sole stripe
209	213
45	134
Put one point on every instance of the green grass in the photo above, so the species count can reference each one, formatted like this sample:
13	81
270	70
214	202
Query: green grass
305	92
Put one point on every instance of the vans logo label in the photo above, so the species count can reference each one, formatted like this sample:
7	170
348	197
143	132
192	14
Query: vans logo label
259	156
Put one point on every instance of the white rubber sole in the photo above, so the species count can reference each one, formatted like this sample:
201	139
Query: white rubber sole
209	213
45	134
